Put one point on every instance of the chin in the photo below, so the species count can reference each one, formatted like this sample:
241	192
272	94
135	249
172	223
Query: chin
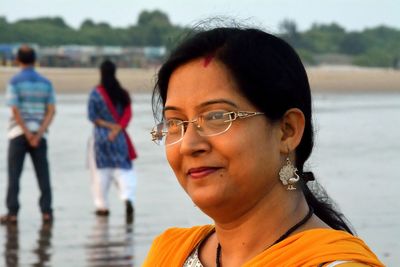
206	202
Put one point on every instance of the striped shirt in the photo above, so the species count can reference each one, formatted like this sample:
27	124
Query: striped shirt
30	93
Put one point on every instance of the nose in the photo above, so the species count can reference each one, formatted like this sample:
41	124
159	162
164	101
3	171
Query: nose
195	123
192	142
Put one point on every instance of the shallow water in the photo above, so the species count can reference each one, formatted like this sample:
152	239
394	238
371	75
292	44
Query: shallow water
355	158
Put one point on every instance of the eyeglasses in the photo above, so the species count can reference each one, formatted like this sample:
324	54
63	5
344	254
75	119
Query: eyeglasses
209	123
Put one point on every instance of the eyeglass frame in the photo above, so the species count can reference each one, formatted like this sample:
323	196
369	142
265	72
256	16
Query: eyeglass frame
237	114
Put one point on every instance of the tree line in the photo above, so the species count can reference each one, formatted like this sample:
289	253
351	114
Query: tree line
378	46
153	28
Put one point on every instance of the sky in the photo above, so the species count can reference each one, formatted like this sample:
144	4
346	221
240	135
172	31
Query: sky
353	15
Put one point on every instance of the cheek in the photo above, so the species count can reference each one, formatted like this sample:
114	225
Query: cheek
174	160
255	152
172	157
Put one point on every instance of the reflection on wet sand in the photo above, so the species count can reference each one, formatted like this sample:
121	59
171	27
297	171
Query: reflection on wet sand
110	245
11	245
42	250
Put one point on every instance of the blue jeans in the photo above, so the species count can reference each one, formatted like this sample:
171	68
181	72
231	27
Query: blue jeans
17	149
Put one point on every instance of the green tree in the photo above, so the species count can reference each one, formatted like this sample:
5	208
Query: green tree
374	58
43	31
153	18
353	43
88	23
323	38
289	32
6	35
154	29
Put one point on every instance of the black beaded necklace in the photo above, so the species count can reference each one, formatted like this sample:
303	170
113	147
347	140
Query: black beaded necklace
286	234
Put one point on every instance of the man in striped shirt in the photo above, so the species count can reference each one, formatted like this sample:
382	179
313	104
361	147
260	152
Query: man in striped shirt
32	101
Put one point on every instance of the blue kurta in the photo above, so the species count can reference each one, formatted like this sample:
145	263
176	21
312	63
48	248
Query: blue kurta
109	154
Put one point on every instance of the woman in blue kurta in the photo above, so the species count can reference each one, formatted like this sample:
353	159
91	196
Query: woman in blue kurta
111	151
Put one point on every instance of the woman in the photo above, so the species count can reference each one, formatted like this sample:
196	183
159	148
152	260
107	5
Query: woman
237	128
112	153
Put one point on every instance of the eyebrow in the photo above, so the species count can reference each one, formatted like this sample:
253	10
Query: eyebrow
207	103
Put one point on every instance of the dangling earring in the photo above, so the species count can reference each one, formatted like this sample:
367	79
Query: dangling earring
288	175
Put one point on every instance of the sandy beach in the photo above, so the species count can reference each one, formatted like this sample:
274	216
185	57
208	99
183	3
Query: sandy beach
322	79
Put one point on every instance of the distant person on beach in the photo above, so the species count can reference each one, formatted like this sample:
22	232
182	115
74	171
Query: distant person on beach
236	121
111	151
32	101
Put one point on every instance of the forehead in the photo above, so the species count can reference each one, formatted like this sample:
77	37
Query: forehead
195	82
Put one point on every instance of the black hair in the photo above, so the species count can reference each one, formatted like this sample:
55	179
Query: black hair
109	81
270	74
26	55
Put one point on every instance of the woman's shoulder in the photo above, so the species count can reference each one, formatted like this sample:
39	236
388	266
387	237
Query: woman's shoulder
94	91
94	95
174	245
176	233
320	245
324	231
175	237
328	237
345	264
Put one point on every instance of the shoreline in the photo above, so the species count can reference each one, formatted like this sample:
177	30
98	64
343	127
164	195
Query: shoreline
353	79
335	79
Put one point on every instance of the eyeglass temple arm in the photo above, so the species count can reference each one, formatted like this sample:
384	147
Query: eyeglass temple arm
246	114
157	135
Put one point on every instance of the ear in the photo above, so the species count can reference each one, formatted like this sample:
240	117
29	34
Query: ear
292	129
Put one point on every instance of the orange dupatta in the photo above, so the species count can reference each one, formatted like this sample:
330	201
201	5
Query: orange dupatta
314	247
308	248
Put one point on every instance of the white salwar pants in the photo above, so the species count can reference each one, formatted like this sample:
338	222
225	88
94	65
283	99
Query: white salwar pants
101	180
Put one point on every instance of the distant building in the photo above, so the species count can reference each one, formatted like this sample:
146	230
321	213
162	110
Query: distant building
88	56
92	56
6	54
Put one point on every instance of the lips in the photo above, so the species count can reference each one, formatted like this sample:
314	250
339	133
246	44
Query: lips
201	172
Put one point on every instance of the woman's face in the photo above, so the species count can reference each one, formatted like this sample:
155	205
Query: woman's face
233	170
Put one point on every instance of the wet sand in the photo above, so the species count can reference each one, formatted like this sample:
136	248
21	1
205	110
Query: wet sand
322	79
354	159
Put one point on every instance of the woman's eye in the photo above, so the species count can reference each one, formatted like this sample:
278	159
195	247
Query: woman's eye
173	126
173	123
215	115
